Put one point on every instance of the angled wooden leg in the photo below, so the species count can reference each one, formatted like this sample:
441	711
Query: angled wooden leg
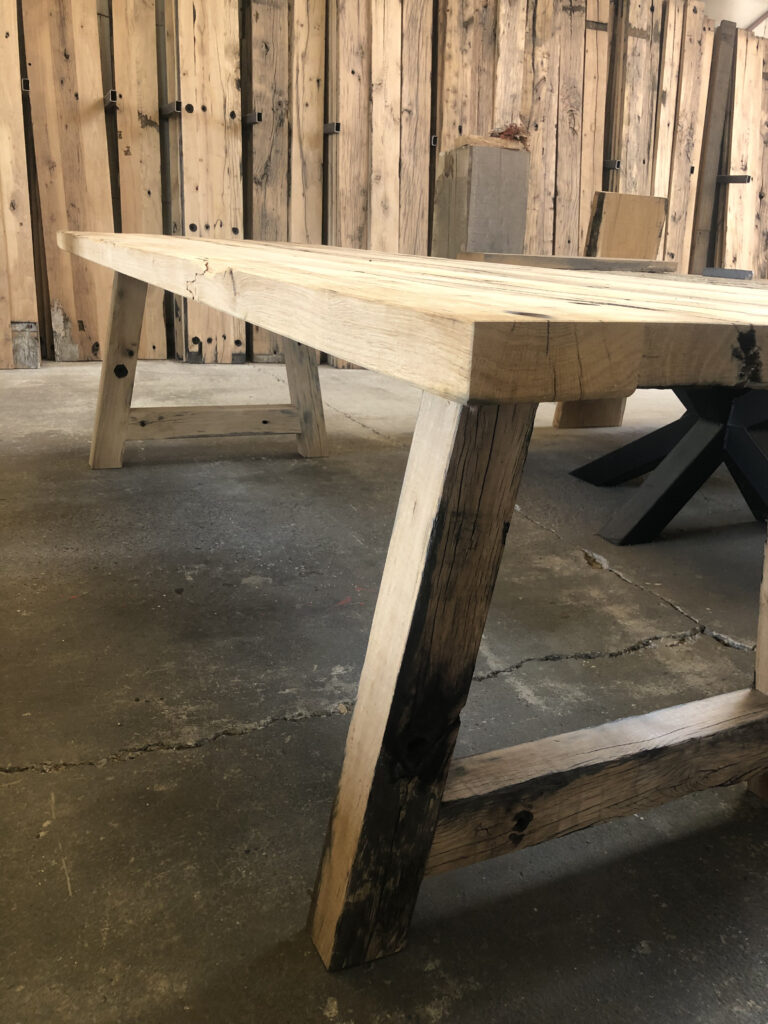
118	370
457	500
759	785
304	388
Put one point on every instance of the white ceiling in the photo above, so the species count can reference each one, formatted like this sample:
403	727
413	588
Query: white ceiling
743	12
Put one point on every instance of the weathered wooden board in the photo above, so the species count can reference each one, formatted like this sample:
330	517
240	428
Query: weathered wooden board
451	326
762	263
211	146
134	42
62	41
673	17
570	104
693	82
305	209
19	334
641	79
170	148
626	225
514	77
415	126
719	99
508	799
545	36
742	227
593	114
386	71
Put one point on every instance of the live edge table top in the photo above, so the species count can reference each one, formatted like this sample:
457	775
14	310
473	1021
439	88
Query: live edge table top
467	331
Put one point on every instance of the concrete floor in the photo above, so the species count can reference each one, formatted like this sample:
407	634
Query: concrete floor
181	645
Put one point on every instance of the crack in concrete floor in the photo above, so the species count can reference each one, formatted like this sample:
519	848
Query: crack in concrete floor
342	707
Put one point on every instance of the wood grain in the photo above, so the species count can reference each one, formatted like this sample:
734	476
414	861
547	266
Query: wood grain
466	330
506	800
593	111
211	146
457	499
19	334
72	163
540	226
134	41
570	103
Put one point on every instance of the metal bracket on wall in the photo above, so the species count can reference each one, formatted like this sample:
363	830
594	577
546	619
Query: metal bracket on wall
612	165
255	117
25	85
332	128
170	109
110	99
733	179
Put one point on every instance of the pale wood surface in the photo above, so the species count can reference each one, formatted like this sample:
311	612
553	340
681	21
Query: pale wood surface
693	82
305	208
72	164
641	77
134	40
457	498
118	372
506	800
415	115
384	210
570	104
666	108
466	330
632	266
593	116
211	146
210	421
628	226
306	398
742	235
18	297
540	224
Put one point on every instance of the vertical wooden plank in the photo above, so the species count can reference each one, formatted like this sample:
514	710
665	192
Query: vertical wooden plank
19	335
479	66
386	70
540	226
352	146
643	39
415	116
305	212
209	71
67	105
593	117
696	56
449	73
742	234
268	74
762	261
169	90
138	127
614	104
570	104
666	106
719	99
513	75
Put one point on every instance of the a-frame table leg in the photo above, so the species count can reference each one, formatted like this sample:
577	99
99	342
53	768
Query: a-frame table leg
304	388
452	520
759	785
118	372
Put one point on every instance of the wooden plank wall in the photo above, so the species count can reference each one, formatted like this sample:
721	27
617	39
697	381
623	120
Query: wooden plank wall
66	97
19	333
580	82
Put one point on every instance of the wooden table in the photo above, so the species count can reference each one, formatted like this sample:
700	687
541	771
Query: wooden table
486	344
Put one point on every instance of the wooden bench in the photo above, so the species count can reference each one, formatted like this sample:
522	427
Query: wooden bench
486	344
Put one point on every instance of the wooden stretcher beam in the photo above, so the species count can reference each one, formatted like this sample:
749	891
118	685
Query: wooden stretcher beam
505	800
211	421
467	331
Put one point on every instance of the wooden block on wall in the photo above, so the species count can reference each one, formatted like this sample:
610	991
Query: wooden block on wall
626	225
67	104
19	334
480	200
134	39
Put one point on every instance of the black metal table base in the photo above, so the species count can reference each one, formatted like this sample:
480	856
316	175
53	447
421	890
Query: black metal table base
720	424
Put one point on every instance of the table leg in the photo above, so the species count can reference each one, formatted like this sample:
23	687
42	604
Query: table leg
304	387
452	520
118	371
759	785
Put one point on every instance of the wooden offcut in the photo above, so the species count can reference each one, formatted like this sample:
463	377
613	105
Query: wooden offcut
481	195
19	334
